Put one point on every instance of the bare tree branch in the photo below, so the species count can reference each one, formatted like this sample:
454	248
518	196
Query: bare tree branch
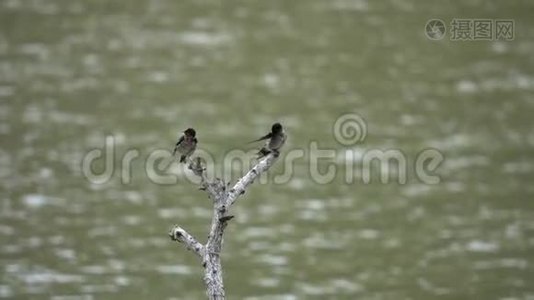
179	234
241	185
222	201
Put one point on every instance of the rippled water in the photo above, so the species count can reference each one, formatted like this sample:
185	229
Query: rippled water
74	72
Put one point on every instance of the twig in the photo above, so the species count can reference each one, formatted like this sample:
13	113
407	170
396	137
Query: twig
179	234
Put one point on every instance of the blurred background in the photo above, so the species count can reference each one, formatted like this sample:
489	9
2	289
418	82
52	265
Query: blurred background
73	72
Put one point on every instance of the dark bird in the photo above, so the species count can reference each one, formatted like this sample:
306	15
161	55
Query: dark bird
276	137
186	144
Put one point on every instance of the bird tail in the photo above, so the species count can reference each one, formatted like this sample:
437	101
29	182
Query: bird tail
267	136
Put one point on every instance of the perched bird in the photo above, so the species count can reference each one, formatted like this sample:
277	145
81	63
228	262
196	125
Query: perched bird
276	137
186	145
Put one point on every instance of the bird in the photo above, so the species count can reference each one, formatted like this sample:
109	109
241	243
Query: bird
277	138
186	145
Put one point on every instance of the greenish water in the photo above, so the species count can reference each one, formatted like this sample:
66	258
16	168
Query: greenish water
74	72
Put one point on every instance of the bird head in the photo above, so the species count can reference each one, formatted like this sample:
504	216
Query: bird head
277	128
190	132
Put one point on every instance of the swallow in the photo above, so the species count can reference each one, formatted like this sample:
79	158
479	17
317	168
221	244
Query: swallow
186	144
276	137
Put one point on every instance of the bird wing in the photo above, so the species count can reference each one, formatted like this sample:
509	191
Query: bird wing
178	144
268	136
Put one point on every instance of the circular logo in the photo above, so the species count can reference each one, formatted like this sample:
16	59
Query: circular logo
350	129
435	29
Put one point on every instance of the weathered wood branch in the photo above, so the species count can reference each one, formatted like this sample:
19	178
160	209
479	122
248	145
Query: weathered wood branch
222	199
241	185
179	234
